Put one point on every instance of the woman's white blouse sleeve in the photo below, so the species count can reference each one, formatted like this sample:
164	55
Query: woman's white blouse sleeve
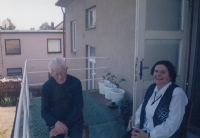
173	122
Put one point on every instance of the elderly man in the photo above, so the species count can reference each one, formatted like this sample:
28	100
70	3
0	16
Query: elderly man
62	102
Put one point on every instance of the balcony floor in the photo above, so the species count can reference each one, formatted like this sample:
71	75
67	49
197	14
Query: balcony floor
102	122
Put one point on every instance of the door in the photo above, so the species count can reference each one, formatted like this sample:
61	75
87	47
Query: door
90	66
161	34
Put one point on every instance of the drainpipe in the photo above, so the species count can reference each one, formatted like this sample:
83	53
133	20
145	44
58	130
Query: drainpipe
64	55
191	5
1	52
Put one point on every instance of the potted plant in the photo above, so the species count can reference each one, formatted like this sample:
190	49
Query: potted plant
109	86
117	94
125	111
103	82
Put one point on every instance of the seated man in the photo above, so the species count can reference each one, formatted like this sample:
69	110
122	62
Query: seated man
62	102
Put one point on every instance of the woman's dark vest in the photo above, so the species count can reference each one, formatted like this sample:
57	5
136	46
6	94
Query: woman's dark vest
162	111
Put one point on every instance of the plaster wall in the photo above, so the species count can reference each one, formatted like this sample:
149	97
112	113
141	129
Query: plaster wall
33	46
113	36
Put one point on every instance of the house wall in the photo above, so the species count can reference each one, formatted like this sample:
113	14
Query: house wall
33	46
112	37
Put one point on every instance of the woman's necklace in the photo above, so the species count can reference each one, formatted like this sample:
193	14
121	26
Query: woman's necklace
154	100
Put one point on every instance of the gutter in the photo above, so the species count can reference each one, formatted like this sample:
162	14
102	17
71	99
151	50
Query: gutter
30	31
63	3
64	55
1	53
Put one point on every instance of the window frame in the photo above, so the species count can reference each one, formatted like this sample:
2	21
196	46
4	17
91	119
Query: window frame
53	52
11	74
73	36
88	19
17	53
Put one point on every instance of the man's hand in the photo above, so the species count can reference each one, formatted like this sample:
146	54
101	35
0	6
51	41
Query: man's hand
61	128
53	132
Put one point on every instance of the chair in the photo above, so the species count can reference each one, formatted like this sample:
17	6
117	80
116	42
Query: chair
86	130
186	118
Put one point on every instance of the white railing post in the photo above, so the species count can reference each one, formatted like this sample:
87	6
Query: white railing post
25	115
27	104
19	107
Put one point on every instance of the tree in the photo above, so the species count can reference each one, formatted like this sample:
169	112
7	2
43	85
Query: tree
11	26
45	26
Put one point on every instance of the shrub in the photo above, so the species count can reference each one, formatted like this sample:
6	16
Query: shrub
8	101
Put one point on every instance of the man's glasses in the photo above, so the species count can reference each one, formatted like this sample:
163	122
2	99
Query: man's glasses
62	73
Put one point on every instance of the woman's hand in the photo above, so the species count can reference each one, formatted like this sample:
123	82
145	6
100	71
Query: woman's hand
137	126
138	133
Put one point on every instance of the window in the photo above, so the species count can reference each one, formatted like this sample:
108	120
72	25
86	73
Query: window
12	47
90	66
73	36
14	71
91	17
53	45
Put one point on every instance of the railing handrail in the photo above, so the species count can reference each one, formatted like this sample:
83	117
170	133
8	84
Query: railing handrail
69	70
67	58
24	99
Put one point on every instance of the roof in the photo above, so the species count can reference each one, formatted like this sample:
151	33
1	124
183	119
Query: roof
62	3
59	26
31	31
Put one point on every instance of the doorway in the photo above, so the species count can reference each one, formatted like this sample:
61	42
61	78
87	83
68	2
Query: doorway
90	66
161	34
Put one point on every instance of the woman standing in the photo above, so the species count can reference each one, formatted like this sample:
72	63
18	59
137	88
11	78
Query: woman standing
161	113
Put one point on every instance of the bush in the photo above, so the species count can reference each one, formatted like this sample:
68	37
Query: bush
8	101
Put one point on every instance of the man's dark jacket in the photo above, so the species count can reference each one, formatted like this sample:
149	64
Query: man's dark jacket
62	102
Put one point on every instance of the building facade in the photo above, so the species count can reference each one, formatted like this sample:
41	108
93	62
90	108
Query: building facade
134	34
17	47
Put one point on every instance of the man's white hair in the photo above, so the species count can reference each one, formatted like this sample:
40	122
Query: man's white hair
55	62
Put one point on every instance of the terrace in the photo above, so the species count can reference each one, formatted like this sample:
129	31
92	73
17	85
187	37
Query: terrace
102	121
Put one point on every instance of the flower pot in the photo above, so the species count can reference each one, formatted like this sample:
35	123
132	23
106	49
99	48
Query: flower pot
116	94
111	105
101	86
107	88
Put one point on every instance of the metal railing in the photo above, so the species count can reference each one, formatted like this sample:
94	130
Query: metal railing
24	99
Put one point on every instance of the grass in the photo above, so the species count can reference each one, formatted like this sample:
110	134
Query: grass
2	132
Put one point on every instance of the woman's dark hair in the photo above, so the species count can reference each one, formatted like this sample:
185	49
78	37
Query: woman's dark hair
170	67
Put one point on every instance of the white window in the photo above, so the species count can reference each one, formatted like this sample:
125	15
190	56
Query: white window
90	66
91	17
14	71
53	45
73	36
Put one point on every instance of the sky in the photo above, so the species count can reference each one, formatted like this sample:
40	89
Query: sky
26	14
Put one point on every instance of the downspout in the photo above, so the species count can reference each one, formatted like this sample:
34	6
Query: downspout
64	55
1	52
191	7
